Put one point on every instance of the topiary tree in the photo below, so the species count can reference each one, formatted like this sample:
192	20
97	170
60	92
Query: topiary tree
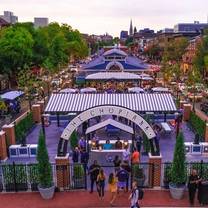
178	170
74	140
44	166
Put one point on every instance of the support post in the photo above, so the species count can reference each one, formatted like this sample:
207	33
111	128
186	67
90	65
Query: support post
43	124
36	113
62	172
155	164
3	147
10	133
58	119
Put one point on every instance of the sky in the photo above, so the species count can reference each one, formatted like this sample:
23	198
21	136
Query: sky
111	16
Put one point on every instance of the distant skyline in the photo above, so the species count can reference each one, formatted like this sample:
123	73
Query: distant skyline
111	16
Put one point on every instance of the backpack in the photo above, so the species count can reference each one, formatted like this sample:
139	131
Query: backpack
141	194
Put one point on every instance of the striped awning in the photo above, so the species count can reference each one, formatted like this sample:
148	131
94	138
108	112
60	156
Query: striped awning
113	75
146	102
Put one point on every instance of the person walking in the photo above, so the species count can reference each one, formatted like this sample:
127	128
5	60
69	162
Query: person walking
101	183
84	158
93	172
112	183
134	196
193	182
135	158
117	163
122	176
126	154
75	155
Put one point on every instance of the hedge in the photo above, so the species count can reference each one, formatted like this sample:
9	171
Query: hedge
22	128
198	125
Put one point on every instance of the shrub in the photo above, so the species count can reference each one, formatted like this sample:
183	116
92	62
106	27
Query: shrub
44	167
22	128
178	170
198	125
137	171
74	140
78	171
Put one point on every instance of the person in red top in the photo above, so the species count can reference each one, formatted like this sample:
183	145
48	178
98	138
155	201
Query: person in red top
135	158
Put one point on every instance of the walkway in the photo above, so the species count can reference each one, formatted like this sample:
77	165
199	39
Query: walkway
82	199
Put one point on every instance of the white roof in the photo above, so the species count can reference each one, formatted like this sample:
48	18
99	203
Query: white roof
12	95
69	90
115	50
160	89
113	75
110	122
88	89
142	102
136	90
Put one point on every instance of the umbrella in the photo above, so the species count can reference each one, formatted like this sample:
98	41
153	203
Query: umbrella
88	90
12	95
69	90
136	90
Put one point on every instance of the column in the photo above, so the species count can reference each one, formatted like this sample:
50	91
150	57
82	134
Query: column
155	165
3	148
41	103
186	111
36	112
182	102
10	133
62	172
206	133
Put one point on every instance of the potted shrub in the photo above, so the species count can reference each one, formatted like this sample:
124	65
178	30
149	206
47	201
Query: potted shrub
138	175
45	186
166	179
178	169
79	176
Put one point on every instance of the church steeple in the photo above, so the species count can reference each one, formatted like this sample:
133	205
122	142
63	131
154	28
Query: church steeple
131	28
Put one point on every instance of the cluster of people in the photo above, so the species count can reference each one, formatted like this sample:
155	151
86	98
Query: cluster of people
117	180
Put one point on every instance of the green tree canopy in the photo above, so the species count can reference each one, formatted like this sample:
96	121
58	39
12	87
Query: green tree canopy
16	45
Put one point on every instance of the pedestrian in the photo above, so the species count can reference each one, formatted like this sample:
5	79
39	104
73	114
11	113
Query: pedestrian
112	183
193	182
117	163
123	177
134	196
126	154
82	143
84	158
125	165
93	172
135	158
139	143
101	183
118	144
75	155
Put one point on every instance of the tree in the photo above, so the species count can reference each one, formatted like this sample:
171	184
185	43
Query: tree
15	50
44	166
178	170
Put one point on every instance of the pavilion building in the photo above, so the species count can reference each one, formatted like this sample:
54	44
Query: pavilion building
113	60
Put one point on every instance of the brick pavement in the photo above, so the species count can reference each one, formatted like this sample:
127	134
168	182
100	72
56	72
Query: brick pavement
83	199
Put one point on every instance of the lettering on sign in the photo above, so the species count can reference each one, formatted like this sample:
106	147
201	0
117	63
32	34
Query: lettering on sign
108	110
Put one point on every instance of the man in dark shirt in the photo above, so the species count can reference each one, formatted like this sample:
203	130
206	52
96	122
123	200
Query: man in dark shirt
118	144
75	155
84	158
94	171
123	176
193	182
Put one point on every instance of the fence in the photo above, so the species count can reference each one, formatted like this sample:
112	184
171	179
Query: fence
200	166
24	177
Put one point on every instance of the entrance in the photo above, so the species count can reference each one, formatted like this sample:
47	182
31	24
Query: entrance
102	111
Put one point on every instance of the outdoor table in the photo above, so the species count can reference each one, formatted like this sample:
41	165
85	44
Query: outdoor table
165	126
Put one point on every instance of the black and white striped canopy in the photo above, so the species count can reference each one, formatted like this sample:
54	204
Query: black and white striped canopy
65	103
